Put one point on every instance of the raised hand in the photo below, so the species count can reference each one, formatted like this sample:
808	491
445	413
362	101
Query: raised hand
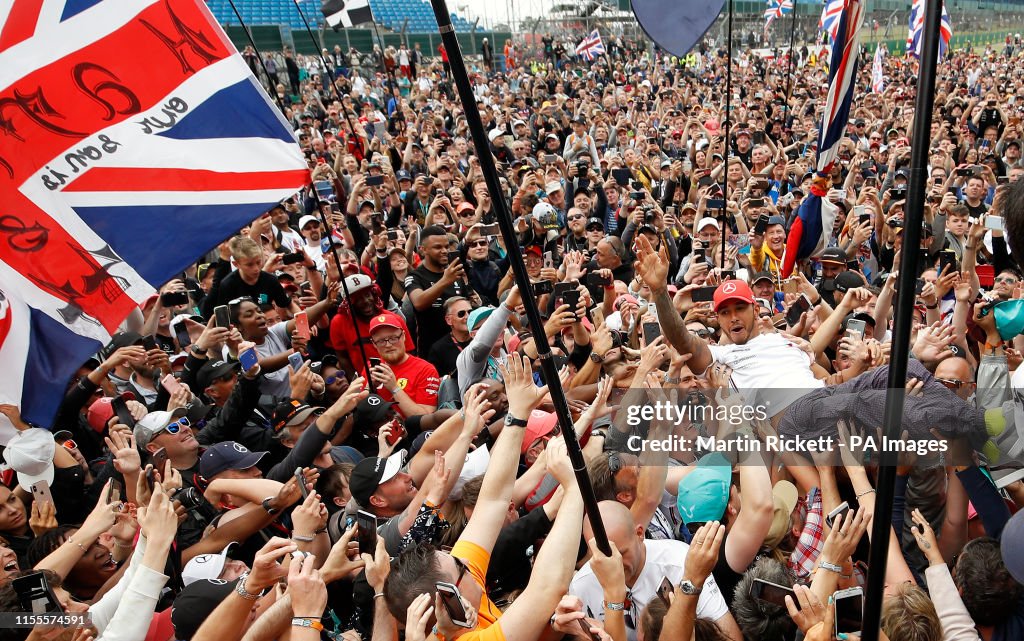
651	265
523	394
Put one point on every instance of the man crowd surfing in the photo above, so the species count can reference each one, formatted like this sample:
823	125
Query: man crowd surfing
335	425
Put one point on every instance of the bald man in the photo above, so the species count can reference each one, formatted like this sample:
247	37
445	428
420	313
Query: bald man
646	563
956	374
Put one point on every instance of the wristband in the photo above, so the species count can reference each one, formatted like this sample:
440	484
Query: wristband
935	306
615	606
865	493
302	539
308	622
831	567
395	390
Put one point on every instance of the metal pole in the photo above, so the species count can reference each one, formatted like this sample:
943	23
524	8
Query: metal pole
789	68
728	127
904	306
490	172
259	54
387	74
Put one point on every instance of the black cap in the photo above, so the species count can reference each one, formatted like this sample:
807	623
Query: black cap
833	255
227	455
122	339
579	120
369	473
196	602
594	221
848	279
372	411
291	413
213	370
759	276
862	316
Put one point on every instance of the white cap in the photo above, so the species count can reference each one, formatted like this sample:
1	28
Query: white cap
495	134
205	566
704	222
305	220
553	186
543	209
356	283
30	454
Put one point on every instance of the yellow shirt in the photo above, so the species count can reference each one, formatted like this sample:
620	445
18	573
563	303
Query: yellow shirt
477	559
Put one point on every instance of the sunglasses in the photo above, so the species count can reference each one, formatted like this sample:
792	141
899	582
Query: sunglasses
479	243
951	383
462	313
175	427
575	217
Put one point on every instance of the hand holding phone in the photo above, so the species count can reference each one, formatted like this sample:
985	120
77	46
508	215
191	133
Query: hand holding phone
302	325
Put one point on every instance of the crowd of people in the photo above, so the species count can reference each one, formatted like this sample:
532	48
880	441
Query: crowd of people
336	424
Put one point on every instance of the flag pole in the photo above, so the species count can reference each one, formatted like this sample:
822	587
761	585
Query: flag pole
904	305
728	128
789	68
501	206
259	55
327	228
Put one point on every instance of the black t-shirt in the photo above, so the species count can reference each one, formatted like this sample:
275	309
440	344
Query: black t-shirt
430	322
444	354
267	289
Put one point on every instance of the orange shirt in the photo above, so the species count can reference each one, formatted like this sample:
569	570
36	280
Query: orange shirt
477	559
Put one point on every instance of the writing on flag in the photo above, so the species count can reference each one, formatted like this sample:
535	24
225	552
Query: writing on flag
591	47
111	165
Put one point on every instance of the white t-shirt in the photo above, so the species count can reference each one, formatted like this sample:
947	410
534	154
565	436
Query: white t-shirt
768	370
291	240
664	559
277	341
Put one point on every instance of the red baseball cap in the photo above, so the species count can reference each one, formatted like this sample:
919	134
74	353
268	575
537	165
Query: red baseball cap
732	290
387	319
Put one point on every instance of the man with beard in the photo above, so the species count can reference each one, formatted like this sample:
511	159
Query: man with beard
289	239
311	232
364	303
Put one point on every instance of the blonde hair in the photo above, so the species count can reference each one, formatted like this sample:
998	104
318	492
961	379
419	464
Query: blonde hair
909	615
242	247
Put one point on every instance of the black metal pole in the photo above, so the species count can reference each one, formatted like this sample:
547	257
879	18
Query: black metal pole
728	137
259	55
904	305
388	75
789	69
490	173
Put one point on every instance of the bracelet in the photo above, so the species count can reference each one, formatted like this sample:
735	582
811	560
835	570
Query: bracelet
308	622
80	546
865	493
395	390
302	539
935	306
670	380
378	595
831	567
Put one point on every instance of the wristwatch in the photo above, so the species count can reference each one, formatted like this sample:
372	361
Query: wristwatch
199	350
242	592
597	358
621	605
266	505
514	422
687	587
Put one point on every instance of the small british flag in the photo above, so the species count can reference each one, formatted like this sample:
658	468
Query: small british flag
591	47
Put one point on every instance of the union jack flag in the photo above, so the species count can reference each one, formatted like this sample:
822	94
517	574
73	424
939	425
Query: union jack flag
776	10
812	227
829	22
916	32
591	47
132	138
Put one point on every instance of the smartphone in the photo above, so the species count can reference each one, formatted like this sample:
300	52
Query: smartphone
837	514
452	602
220	312
374	361
728	274
801	305
293	258
35	594
651	332
790	286
571	298
301	480
704	181
771	592
158	459
41	492
367	532
542	287
716	203
761	225
849	610
703	294
397	431
665	589
489	230
994	222
598	280
550	159
621	176
1002	180
919	286
248	359
700	254
586	630
855	327
295	361
170	383
115	491
302	325
871	181
124	416
181	334
549	260
173	299
862	213
149	343
392	234
375	181
637	195
452	257
377	222
324	189
948	262
963	172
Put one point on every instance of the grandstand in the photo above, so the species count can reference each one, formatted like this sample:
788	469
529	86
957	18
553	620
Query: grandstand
390	14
